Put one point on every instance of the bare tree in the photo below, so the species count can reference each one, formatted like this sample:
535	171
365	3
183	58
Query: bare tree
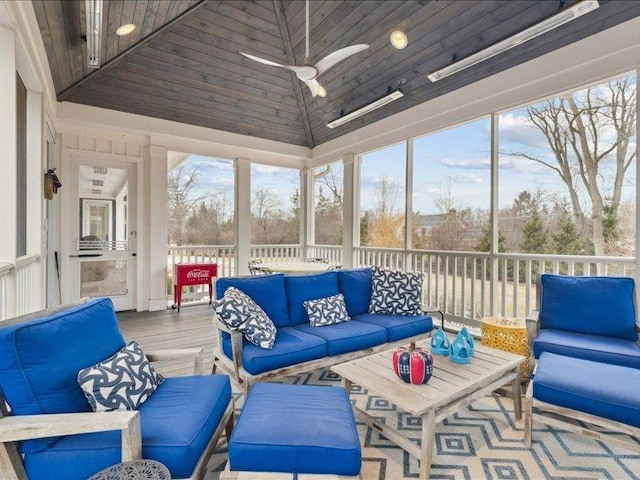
181	201
584	129
265	209
387	225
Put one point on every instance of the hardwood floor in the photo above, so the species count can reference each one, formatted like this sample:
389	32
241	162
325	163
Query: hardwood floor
191	327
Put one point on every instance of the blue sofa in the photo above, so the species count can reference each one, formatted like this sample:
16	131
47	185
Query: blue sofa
299	346
62	438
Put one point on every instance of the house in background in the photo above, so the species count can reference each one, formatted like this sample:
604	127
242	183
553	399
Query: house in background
180	87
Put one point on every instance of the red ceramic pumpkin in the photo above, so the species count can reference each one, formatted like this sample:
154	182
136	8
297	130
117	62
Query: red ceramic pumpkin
413	365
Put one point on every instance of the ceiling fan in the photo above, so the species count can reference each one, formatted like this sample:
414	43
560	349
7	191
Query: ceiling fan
309	73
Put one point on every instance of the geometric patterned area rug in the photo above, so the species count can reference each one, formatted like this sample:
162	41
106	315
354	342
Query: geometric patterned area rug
482	441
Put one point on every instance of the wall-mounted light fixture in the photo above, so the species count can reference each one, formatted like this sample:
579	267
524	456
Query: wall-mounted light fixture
125	29
545	26
390	97
93	9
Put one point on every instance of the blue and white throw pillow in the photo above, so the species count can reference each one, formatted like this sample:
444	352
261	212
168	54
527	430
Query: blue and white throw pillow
326	311
238	311
396	293
121	382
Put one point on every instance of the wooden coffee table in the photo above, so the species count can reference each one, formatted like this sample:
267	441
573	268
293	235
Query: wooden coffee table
451	387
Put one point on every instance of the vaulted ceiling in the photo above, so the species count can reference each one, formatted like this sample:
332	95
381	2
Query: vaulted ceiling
182	62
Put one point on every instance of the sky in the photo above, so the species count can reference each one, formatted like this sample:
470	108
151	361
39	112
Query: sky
454	164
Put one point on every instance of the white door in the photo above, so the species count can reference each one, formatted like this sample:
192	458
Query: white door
102	250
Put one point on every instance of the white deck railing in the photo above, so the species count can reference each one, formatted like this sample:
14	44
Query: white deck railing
5	271
466	286
27	284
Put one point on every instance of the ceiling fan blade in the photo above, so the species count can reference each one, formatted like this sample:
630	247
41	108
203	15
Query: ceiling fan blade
303	72
330	60
313	85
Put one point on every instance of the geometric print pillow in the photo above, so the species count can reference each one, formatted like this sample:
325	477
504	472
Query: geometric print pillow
121	382
238	311
326	311
396	293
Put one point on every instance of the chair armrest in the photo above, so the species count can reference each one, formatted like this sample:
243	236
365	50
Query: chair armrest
236	346
196	354
434	309
25	427
533	326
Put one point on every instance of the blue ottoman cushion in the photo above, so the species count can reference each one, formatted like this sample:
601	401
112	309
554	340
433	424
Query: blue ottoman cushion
296	429
588	347
177	422
608	391
398	326
347	336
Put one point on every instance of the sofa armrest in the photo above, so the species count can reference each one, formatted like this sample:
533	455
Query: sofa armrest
533	326
434	309
25	427
236	346
196	354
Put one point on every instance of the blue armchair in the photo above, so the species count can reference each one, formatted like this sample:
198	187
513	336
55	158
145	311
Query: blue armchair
49	430
591	318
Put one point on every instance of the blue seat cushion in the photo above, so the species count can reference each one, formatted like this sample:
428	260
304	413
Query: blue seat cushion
40	360
266	290
592	305
291	347
296	429
398	326
608	391
588	347
348	336
177	422
308	287
355	286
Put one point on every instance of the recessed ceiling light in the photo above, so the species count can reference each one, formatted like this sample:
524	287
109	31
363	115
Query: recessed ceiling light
398	39
125	29
322	92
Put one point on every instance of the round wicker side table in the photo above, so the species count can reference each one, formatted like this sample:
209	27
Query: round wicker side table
510	335
134	470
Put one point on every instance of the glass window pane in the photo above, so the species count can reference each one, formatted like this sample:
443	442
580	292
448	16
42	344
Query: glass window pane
452	188
382	197
567	173
101	278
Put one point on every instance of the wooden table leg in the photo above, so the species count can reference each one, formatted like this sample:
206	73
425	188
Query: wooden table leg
517	395
428	441
347	385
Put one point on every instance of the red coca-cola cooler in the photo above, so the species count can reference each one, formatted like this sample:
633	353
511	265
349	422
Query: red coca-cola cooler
186	274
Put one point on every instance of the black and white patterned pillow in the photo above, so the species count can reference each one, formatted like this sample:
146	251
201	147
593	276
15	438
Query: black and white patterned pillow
238	311
396	293
326	311
121	382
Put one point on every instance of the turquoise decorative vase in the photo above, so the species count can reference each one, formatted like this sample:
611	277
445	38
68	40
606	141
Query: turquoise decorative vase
460	351
440	343
465	333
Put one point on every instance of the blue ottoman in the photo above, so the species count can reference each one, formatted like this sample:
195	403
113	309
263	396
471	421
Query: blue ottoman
595	392
296	429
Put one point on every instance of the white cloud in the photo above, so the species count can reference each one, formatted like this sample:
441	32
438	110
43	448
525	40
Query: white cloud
518	131
468	164
467	177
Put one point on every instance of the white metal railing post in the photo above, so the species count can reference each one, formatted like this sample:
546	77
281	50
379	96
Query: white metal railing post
408	211
495	237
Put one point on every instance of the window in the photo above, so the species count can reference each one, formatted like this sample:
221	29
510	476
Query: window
200	206
452	188
567	173
328	207
382	197
275	205
21	170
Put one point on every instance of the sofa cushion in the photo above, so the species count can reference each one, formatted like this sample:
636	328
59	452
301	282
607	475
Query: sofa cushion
398	326
123	381
396	292
608	391
308	287
592	305
296	429
292	346
348	336
589	347
71	340
355	285
266	290
238	311
171	434
326	311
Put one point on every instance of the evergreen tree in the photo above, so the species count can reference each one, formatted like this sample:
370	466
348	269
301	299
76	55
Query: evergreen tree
566	240
534	235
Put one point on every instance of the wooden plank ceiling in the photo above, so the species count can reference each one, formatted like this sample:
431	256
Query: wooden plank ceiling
182	62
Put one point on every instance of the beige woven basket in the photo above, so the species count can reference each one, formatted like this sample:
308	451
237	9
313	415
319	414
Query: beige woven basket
48	186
